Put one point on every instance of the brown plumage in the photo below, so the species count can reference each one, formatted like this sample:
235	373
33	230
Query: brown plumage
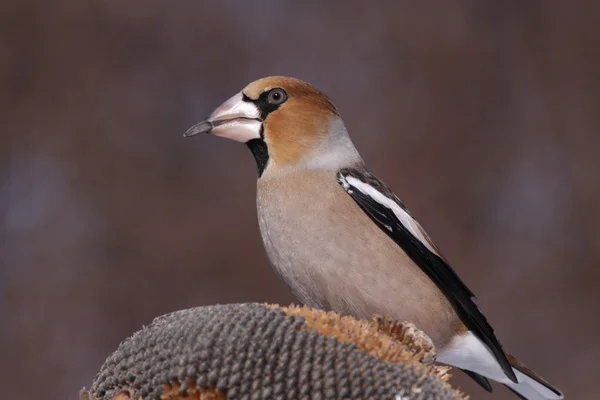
301	123
360	285
343	241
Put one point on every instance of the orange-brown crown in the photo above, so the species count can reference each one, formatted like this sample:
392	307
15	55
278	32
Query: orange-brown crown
298	125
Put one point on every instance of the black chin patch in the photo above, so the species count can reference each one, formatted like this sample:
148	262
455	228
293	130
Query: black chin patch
259	150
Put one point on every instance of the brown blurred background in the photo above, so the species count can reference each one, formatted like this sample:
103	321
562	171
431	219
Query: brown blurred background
483	116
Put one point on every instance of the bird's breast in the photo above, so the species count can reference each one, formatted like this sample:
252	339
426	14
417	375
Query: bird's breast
334	257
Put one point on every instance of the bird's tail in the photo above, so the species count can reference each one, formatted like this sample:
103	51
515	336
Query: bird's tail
468	352
531	386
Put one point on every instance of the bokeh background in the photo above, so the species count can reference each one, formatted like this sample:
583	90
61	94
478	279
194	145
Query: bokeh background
483	116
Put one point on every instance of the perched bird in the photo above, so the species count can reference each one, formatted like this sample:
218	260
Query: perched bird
343	241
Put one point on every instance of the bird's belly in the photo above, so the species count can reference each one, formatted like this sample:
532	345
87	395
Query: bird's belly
333	258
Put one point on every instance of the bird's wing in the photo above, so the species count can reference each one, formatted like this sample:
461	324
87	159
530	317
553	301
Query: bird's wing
392	217
481	380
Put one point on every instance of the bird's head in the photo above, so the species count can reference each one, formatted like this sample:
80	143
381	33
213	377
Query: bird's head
287	123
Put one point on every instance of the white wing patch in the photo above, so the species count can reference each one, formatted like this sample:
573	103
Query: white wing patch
409	223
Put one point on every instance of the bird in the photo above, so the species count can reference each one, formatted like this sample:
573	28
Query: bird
343	241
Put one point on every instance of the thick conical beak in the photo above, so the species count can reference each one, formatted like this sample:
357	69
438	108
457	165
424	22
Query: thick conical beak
236	119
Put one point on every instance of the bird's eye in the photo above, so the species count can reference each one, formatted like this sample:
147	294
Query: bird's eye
277	96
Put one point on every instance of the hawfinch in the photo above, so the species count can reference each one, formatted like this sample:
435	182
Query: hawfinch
343	241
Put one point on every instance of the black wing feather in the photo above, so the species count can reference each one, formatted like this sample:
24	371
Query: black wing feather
433	265
481	380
